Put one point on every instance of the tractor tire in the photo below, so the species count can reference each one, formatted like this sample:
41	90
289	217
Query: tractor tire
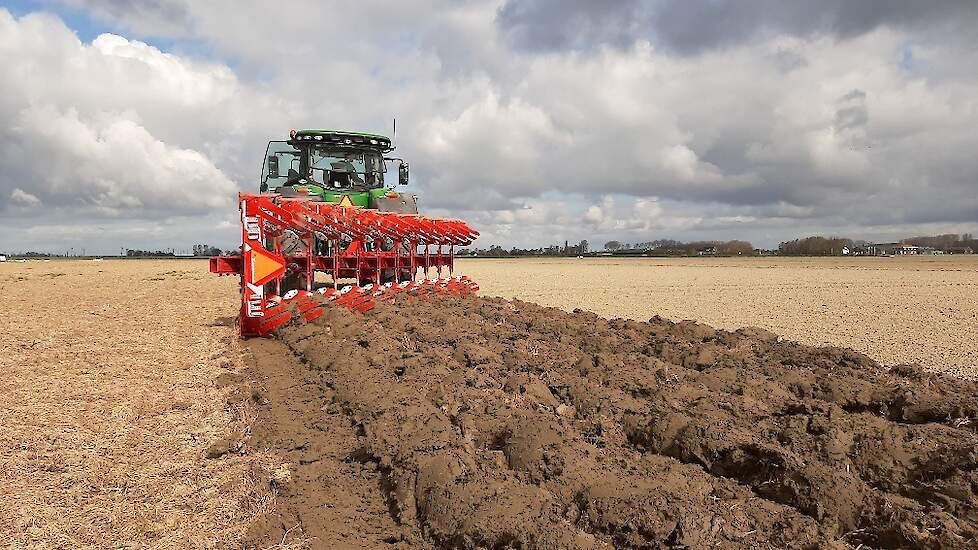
292	245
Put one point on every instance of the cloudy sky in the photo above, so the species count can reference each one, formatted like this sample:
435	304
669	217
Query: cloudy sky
134	124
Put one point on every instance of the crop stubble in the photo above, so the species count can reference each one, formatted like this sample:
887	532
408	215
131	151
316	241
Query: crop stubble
109	408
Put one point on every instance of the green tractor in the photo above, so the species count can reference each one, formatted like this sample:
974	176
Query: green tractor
334	166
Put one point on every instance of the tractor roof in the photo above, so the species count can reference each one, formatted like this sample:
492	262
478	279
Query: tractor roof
343	137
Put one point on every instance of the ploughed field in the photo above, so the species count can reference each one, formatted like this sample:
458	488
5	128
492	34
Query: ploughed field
133	417
487	423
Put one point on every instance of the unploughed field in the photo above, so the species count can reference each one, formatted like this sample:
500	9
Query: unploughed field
133	417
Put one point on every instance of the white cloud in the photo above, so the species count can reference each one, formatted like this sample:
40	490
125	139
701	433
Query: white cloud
114	166
19	197
112	129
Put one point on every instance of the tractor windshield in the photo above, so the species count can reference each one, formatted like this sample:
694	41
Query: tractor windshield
346	168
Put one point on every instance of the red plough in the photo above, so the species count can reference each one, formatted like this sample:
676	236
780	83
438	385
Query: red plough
382	252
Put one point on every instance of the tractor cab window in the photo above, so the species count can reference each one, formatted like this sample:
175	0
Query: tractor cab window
346	168
280	159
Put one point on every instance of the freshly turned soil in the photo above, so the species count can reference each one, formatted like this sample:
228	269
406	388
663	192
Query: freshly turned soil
332	497
486	423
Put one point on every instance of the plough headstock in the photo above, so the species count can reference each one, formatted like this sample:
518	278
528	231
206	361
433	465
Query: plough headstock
375	249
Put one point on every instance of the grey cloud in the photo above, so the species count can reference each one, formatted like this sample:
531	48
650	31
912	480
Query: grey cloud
852	113
570	24
156	18
786	60
694	26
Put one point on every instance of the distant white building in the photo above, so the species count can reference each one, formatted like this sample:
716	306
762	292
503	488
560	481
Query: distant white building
893	249
3	258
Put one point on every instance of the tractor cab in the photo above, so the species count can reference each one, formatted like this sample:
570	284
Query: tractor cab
334	166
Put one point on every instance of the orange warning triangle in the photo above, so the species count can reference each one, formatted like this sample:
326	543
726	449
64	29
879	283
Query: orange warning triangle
265	266
345	202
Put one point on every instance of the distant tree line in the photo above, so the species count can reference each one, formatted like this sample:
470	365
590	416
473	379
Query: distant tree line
948	242
198	250
34	254
653	248
496	251
31	254
206	250
833	246
669	247
815	246
136	253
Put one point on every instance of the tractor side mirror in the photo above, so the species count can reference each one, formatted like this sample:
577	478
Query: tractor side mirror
402	174
273	166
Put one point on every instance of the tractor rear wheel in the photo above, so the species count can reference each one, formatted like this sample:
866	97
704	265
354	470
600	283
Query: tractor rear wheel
292	245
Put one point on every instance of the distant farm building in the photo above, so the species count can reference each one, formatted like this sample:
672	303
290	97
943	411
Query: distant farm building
893	249
3	258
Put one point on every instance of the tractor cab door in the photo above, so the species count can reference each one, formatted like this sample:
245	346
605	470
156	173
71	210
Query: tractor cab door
281	162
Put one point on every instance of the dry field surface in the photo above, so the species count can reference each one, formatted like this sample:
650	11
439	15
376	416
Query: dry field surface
110	406
896	310
132	416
